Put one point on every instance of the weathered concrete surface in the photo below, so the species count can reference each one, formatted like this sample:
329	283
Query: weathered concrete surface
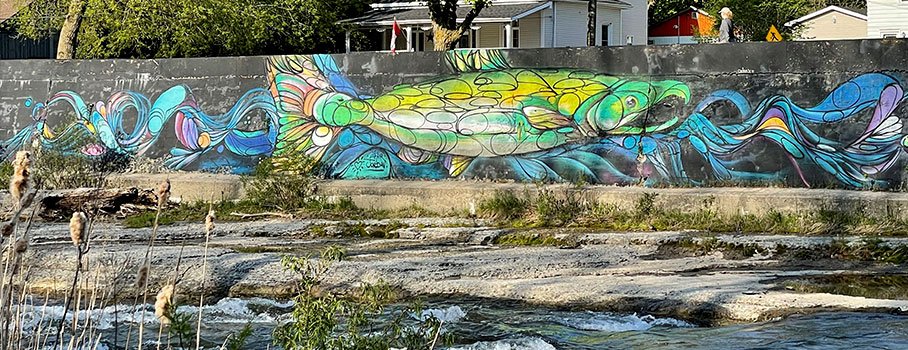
186	186
609	271
804	72
448	196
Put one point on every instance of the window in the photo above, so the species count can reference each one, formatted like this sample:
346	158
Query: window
605	34
889	34
468	41
515	34
418	39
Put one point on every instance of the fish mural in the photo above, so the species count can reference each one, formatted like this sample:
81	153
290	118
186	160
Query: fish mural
487	109
488	119
102	125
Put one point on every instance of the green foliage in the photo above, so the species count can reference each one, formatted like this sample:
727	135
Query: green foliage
187	28
6	172
755	17
689	246
503	205
522	239
181	327
192	212
646	204
324	320
290	187
237	341
664	9
573	209
869	249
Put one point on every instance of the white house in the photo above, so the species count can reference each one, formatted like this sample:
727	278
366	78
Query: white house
832	23
511	24
887	18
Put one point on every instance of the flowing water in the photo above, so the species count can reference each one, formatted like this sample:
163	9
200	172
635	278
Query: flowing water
485	325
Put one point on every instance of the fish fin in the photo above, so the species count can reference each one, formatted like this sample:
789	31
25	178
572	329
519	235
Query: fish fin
296	83
462	61
546	119
458	164
413	156
657	128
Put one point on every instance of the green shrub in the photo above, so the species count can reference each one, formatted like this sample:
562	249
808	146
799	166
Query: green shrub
288	187
327	321
55	169
503	205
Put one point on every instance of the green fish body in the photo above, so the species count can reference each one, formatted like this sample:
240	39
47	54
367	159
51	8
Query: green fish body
489	110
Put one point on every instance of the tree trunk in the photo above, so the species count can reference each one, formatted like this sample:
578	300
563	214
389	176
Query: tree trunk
66	47
591	22
445	39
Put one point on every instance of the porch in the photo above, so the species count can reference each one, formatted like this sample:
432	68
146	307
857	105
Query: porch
499	26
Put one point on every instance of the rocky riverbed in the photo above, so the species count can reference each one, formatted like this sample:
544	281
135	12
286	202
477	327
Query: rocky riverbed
705	279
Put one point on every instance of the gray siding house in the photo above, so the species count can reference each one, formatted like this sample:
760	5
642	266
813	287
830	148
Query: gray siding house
512	24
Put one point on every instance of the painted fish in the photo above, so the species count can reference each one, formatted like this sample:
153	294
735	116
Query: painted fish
486	109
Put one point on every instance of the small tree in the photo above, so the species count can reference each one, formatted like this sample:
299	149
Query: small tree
445	29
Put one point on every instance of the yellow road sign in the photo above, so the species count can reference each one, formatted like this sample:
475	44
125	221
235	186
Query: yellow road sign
773	34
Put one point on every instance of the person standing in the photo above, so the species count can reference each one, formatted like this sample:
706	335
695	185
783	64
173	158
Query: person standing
727	28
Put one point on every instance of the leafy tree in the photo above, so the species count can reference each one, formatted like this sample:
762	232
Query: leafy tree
852	4
67	43
754	17
186	28
660	10
446	31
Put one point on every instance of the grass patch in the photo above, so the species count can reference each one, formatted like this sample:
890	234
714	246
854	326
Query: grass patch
692	247
359	229
572	208
192	212
866	250
527	239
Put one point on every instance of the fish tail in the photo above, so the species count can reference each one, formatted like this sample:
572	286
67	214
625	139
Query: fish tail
311	96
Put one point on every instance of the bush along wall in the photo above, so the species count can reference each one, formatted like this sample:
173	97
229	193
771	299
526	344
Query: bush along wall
808	114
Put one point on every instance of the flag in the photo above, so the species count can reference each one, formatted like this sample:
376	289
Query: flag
395	32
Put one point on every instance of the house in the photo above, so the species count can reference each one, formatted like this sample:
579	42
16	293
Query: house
887	19
14	47
831	23
682	28
510	24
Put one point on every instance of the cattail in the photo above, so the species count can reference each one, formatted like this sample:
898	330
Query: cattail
163	302
18	184
209	221
21	245
77	227
164	193
142	276
7	229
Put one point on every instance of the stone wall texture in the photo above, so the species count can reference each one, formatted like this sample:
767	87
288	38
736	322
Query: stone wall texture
808	114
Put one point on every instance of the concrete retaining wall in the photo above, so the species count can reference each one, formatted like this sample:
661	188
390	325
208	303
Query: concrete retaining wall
445	197
811	114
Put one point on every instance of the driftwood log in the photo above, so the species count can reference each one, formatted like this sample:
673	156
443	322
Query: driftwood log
59	205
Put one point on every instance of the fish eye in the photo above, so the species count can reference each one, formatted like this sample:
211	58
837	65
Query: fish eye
322	136
630	102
